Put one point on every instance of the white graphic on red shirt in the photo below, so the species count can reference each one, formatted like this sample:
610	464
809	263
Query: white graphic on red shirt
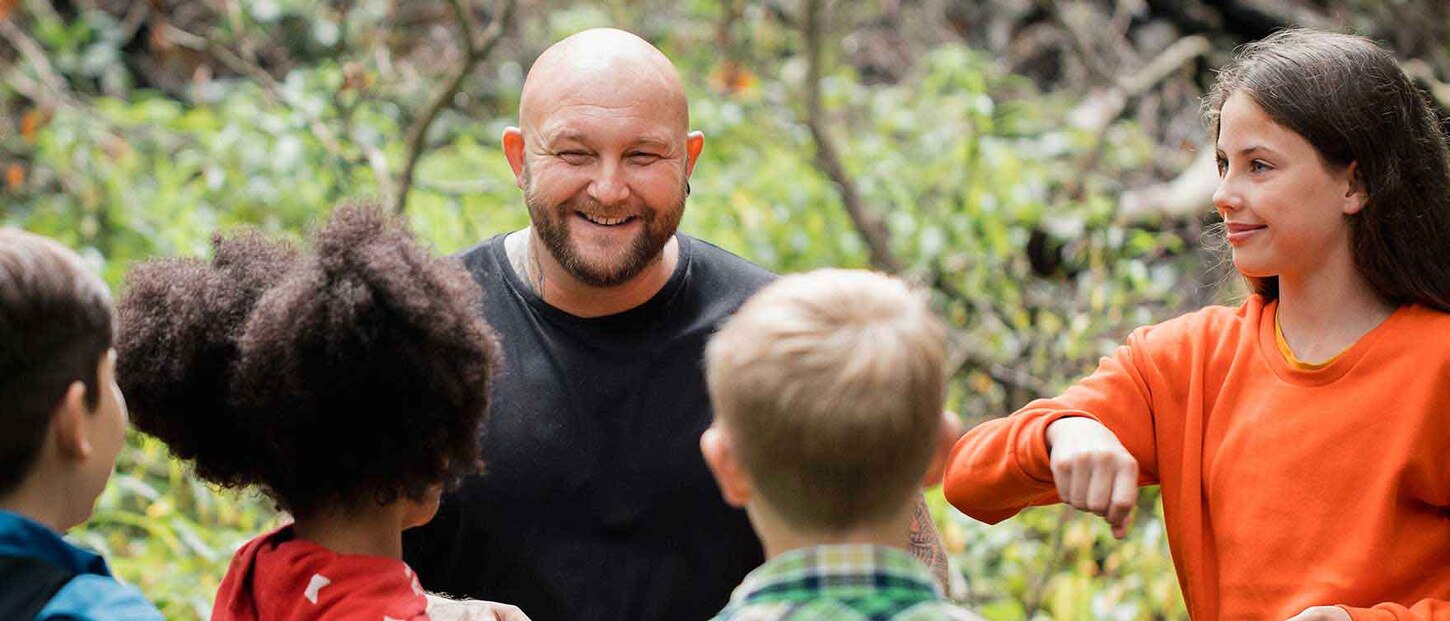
318	581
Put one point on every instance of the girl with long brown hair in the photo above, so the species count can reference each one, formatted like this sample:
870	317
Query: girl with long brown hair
1300	439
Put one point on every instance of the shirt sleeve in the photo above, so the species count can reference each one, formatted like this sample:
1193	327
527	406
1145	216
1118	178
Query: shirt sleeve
1002	466
91	597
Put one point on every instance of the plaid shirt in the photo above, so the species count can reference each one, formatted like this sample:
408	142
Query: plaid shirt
841	583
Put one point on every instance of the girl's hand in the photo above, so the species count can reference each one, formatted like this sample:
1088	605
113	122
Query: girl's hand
1322	613
1092	470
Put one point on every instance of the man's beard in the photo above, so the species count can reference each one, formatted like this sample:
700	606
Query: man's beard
551	223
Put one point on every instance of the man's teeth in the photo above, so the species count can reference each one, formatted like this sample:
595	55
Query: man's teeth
605	221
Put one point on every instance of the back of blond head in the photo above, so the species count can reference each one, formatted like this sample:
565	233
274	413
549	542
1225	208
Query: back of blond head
831	385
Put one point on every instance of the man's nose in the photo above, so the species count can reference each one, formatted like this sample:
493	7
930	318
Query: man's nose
609	186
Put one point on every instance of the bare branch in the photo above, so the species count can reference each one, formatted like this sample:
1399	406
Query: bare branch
34	55
270	87
1037	595
476	47
1165	64
1077	33
1420	71
225	56
1187	195
1101	108
873	230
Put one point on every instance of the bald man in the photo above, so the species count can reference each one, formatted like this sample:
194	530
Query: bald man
596	502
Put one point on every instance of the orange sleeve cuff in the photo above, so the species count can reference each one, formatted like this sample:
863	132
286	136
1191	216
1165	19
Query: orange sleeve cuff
1369	614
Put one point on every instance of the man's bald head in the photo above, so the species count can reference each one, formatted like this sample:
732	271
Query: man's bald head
604	153
605	68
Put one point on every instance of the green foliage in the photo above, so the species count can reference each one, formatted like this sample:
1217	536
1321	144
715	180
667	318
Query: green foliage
967	163
166	532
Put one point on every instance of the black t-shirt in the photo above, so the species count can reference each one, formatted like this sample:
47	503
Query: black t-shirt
595	502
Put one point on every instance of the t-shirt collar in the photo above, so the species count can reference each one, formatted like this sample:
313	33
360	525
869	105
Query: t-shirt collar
850	570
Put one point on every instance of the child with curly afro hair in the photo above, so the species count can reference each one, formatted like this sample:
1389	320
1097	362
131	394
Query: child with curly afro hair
349	384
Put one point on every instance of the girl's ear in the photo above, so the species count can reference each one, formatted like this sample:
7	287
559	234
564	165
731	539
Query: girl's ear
1357	195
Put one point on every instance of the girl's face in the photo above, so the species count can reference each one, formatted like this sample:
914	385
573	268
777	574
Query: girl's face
1284	206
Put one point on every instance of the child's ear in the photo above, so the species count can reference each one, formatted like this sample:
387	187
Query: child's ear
948	432
68	423
1357	195
720	457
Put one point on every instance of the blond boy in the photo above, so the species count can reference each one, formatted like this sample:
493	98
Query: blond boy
828	390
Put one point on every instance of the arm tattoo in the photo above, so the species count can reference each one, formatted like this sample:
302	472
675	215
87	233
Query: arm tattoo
926	545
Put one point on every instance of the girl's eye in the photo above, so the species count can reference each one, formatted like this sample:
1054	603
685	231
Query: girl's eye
1258	166
1222	166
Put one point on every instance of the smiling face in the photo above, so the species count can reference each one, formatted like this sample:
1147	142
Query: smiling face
605	188
1284	207
603	154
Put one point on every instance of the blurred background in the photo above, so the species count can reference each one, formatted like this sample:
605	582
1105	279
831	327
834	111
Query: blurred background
1039	165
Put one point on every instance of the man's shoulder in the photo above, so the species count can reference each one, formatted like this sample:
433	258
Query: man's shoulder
93	597
717	268
480	253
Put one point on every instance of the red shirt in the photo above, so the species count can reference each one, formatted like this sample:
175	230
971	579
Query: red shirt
275	577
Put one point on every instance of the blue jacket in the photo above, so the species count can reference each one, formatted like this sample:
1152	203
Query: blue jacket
93	595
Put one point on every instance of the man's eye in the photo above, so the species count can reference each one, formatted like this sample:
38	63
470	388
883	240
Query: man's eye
574	157
643	158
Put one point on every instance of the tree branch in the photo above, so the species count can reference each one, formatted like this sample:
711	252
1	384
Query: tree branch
34	55
227	57
1187	195
1420	71
476	47
873	230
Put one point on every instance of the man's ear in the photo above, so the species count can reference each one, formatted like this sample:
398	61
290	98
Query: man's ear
68	423
694	143
513	150
948	432
1357	196
720	457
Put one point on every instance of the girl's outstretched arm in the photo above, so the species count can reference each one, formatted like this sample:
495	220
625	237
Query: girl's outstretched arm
1005	465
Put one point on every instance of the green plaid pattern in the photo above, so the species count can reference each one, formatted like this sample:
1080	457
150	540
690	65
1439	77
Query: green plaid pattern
841	583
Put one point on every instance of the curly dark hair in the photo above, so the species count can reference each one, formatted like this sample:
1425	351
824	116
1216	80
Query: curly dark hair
357	372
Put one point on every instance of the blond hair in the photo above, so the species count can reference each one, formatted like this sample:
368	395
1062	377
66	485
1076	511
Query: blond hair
831	386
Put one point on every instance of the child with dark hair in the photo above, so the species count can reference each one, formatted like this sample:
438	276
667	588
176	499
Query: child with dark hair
348	384
62	423
1300	439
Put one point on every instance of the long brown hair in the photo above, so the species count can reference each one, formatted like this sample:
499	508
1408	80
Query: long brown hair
1349	98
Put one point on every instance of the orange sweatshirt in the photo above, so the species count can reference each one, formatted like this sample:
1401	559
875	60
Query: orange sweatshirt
1283	488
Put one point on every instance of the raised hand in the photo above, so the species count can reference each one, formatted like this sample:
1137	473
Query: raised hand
1092	470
